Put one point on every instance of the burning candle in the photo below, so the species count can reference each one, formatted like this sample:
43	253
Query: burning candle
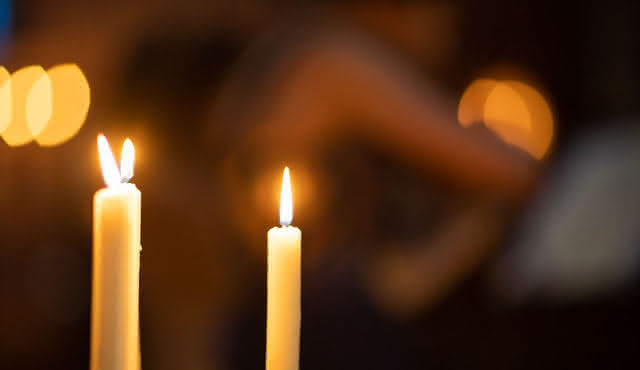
115	343
283	287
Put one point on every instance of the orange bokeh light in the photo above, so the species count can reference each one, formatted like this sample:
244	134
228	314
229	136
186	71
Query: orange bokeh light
472	102
70	103
513	110
505	112
22	80
541	135
6	101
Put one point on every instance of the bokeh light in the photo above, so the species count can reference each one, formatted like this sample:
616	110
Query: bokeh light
471	107
71	99
506	113
513	110
6	105
22	80
39	105
542	129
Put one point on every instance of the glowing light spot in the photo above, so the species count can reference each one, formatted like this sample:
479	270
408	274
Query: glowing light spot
471	107
541	135
38	105
513	110
506	114
6	104
286	200
71	100
18	133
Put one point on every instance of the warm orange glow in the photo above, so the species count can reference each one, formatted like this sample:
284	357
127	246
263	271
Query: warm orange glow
286	200
39	105
513	110
6	104
71	99
18	133
127	157
110	170
506	114
471	107
541	135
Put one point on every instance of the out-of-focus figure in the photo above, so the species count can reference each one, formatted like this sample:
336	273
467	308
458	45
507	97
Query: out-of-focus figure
581	239
401	202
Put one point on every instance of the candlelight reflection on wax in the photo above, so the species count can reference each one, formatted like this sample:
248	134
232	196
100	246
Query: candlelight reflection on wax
286	201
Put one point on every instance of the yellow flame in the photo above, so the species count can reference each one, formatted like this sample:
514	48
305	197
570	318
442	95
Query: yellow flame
127	157
286	201
6	100
541	118
108	163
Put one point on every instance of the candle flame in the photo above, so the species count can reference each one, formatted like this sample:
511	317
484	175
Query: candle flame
110	170
127	158
286	201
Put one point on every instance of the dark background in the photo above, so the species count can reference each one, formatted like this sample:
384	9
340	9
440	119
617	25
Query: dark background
182	80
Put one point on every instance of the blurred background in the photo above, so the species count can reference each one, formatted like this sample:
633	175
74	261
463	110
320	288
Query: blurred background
466	175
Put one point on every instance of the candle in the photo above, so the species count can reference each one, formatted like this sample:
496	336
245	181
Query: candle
283	287
116	265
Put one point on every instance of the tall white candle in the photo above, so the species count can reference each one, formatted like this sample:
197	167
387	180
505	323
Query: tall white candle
116	265
283	287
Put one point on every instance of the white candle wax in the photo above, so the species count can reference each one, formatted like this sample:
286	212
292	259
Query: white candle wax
116	270
283	288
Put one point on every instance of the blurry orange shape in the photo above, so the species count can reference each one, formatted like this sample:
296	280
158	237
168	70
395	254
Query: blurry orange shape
38	105
471	106
71	99
542	126
6	105
21	82
506	113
